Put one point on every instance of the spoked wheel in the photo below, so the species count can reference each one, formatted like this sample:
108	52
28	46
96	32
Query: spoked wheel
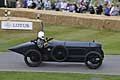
59	53
33	58
93	60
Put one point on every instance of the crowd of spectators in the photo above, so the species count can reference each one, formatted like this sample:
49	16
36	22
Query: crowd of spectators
99	7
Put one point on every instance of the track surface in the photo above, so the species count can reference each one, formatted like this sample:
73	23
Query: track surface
11	61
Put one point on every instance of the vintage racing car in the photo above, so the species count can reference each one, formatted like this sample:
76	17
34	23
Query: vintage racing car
90	53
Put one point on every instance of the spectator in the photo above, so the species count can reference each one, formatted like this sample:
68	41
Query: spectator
42	4
71	8
18	4
76	7
53	4
68	7
91	10
107	10
39	5
99	10
29	3
119	8
81	2
87	3
114	10
107	1
35	1
24	3
61	5
33	6
80	6
47	5
83	8
57	6
65	5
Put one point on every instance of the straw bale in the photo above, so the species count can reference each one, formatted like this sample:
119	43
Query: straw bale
2	11
69	19
23	14
49	19
112	25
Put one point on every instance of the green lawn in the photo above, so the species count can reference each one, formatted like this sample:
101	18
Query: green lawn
53	76
109	39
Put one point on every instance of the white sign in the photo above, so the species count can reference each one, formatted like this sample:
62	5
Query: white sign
16	25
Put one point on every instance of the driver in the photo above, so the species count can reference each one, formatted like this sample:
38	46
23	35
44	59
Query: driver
41	39
41	35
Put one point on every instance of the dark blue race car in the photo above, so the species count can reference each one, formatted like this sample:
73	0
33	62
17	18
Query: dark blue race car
90	53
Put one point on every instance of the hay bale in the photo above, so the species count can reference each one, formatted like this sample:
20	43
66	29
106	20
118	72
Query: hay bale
69	19
22	12
2	12
49	19
112	25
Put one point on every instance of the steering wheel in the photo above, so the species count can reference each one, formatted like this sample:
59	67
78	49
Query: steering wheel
46	41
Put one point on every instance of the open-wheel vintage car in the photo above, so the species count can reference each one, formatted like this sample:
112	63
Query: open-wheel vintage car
90	53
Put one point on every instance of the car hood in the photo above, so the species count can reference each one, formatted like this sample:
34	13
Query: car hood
22	48
82	44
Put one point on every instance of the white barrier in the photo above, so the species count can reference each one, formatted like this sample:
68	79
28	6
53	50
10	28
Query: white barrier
16	25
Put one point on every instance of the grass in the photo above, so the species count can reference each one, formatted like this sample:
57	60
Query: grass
9	39
109	39
54	76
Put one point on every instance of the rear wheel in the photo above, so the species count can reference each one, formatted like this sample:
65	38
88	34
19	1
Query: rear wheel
59	53
93	60
33	58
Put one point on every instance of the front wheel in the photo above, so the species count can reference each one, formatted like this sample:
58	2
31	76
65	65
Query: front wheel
93	60
33	58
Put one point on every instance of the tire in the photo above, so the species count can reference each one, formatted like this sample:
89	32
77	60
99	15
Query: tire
59	53
93	60
33	58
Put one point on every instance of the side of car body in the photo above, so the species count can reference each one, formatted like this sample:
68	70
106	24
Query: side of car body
62	51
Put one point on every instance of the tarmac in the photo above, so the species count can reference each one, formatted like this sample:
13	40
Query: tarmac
11	61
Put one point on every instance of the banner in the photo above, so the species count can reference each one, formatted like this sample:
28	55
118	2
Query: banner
16	25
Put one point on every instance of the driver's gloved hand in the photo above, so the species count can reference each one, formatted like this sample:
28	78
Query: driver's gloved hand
32	41
45	44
